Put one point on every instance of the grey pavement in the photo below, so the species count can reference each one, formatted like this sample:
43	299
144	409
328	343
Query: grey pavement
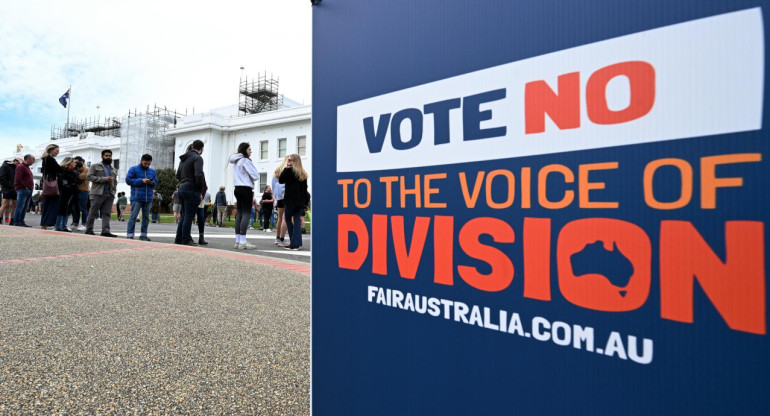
93	325
219	238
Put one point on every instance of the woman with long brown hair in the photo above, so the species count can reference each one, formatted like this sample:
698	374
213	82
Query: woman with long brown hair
294	177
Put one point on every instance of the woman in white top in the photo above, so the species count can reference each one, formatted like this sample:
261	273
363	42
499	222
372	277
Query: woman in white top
244	176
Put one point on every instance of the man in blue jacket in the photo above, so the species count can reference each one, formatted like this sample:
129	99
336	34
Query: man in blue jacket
142	179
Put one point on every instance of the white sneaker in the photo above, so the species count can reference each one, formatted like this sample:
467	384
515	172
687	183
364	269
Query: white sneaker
81	227
246	246
237	246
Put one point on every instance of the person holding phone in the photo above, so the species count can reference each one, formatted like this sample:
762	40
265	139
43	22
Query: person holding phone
142	179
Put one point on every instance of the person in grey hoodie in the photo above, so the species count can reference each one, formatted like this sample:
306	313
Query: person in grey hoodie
192	184
244	176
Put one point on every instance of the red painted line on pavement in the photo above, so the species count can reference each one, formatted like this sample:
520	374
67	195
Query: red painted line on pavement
65	256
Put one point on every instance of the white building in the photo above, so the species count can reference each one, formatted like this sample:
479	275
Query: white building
272	135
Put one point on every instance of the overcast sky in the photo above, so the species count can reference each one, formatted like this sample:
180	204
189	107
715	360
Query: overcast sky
130	54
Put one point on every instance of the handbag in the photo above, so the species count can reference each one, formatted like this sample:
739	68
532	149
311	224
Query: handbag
50	188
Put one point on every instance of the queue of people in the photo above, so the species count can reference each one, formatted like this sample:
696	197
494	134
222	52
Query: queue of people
87	193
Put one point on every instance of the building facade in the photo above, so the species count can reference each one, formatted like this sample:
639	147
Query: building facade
272	135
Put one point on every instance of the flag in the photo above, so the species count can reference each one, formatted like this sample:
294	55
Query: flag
64	98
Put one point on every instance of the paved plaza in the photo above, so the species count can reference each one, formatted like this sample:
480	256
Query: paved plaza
95	325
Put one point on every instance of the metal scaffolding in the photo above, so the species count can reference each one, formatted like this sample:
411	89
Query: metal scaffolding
146	133
109	127
259	95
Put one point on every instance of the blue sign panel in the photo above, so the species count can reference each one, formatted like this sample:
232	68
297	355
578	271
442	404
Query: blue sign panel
540	207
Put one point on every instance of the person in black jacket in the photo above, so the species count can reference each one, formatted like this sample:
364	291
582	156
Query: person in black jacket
51	172
7	175
192	184
294	177
68	187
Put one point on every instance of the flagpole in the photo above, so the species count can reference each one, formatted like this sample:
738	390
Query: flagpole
69	104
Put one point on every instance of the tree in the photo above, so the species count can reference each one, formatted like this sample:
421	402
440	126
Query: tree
167	183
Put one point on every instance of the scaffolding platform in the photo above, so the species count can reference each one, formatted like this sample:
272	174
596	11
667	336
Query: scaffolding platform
107	127
145	132
259	95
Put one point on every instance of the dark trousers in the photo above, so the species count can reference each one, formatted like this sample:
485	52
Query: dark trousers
189	197
99	203
201	223
243	200
267	215
49	211
293	218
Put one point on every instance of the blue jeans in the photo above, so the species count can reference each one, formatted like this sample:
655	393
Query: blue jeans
253	213
156	217
293	217
189	197
23	196
135	207
80	211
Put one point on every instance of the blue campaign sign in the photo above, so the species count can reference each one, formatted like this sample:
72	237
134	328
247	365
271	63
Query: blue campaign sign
540	207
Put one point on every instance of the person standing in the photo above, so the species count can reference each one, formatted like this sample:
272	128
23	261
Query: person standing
156	202
294	177
201	214
192	183
142	179
278	194
68	188
206	208
23	183
51	171
121	205
244	176
7	175
36	201
102	196
255	207
176	206
221	200
267	208
80	201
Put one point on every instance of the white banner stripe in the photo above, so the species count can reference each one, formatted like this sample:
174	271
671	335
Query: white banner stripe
708	79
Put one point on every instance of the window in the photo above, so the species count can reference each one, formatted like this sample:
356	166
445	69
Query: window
263	150
282	147
301	145
116	163
262	182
